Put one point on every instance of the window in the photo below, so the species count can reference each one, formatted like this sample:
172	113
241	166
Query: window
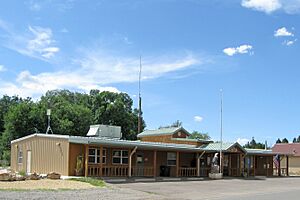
171	159
20	156
94	156
120	157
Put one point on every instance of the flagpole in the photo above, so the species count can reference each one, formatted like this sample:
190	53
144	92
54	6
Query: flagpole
221	128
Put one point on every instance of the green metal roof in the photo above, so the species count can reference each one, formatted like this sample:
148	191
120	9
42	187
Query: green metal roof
217	146
259	151
162	131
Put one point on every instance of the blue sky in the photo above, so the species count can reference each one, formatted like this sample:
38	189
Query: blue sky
190	50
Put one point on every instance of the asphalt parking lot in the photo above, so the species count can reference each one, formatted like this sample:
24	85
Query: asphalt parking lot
260	188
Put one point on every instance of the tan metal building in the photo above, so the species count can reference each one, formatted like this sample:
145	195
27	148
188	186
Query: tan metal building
163	152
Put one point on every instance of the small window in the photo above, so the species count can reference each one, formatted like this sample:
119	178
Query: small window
94	156
20	156
171	159
120	157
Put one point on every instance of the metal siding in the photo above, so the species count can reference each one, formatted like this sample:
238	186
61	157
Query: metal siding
47	155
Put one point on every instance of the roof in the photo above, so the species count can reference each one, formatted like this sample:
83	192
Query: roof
162	131
226	146
287	148
259	151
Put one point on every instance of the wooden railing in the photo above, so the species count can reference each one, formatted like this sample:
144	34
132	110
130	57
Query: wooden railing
283	172
187	171
142	171
107	170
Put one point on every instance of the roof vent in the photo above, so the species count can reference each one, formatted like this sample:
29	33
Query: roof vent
108	131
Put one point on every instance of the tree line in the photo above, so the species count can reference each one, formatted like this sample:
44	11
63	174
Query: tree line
284	140
72	114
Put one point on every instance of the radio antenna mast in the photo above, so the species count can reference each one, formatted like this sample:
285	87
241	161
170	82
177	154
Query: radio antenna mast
49	119
140	99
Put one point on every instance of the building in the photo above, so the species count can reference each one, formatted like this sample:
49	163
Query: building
293	161
161	152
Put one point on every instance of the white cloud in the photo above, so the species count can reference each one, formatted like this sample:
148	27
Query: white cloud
270	6
243	49
198	118
282	32
2	68
36	43
242	141
289	42
97	71
266	6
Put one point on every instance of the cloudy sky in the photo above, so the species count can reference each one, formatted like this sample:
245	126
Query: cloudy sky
190	50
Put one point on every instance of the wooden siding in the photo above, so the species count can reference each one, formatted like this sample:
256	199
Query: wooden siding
74	151
168	139
47	155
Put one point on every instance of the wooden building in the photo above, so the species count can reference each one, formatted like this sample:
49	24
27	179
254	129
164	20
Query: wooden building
162	152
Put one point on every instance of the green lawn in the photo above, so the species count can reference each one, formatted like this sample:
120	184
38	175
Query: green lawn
92	181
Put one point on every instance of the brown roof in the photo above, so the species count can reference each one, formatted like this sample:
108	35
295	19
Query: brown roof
290	148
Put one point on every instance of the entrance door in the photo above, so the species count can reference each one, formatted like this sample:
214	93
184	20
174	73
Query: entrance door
28	163
140	164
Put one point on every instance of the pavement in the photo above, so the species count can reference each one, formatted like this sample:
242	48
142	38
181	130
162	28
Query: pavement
233	189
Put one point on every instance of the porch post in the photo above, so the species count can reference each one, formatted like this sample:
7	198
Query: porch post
86	147
287	165
279	166
198	164
154	163
229	168
101	160
177	164
254	165
130	158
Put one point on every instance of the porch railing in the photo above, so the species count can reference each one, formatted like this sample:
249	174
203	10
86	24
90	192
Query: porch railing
187	171
142	171
283	172
107	171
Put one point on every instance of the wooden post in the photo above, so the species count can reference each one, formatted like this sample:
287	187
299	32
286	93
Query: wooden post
229	167
279	166
287	165
101	160
198	164
254	165
86	159
130	158
177	164
154	163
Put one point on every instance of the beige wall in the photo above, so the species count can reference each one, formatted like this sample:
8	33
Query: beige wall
294	165
47	155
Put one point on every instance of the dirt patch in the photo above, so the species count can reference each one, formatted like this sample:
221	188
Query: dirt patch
44	184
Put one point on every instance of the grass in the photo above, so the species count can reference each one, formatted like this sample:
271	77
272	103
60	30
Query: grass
92	181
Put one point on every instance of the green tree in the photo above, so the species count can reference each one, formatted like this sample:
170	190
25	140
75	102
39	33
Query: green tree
177	123
278	141
199	135
294	140
115	109
284	140
298	139
254	145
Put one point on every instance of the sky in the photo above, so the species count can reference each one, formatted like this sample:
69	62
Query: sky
190	50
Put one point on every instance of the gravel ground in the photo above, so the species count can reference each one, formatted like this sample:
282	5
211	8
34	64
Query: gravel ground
44	184
107	193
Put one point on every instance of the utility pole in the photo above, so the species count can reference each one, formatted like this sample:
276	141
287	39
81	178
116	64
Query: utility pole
140	99
221	129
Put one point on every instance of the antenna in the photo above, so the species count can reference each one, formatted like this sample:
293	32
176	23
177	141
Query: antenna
49	119
140	99
221	128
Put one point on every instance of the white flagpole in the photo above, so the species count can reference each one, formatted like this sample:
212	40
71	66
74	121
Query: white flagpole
221	128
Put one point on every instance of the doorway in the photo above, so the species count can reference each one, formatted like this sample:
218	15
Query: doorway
140	164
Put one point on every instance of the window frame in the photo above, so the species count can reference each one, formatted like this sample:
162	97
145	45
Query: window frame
20	156
171	158
121	157
98	159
